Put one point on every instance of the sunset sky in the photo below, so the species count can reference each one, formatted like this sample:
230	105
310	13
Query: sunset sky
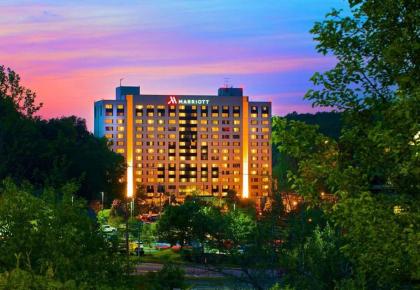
74	52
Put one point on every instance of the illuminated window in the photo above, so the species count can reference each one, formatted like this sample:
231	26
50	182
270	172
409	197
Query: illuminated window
215	136
265	130
264	122
120	136
253	115
254	122
182	114
139	121
109	136
172	136
236	129
120	128
215	122
215	129
150	129
108	106
254	129
264	115
108	121
120	150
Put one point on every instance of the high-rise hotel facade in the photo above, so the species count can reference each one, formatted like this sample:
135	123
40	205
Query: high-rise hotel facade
180	144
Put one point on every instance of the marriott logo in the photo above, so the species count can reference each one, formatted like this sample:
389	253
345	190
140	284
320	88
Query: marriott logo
173	100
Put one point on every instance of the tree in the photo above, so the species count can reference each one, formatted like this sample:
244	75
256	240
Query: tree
52	152
52	233
189	222
372	171
23	99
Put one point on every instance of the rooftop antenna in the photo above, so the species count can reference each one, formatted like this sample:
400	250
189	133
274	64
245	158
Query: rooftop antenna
226	83
121	81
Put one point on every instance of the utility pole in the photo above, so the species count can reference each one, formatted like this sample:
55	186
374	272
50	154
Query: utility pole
127	245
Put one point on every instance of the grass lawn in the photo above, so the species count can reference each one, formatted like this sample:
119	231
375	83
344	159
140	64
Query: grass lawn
161	256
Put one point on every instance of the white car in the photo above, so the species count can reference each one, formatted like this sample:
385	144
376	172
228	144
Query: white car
108	229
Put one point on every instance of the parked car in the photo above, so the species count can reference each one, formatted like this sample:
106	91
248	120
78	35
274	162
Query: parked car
135	247
108	229
162	246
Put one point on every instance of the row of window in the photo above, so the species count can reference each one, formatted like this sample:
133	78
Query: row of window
182	122
225	108
184	111
182	129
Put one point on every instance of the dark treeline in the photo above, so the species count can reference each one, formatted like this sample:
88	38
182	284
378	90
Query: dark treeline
328	124
52	152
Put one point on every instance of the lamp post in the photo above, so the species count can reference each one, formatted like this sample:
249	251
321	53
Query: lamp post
127	246
102	198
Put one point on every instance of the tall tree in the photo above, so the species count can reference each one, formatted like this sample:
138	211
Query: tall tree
366	183
52	152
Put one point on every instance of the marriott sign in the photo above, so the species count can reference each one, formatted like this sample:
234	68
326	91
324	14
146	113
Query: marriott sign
173	100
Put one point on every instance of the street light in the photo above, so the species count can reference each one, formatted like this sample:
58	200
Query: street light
102	196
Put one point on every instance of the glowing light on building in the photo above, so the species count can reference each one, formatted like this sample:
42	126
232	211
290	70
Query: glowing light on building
245	171
129	157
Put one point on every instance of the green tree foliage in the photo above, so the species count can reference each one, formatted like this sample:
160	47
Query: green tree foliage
328	123
366	183
19	279
51	235
53	152
169	277
190	222
236	234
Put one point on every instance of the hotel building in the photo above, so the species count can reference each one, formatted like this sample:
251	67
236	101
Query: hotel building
179	144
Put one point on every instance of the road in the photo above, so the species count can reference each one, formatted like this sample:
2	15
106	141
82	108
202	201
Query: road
197	271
